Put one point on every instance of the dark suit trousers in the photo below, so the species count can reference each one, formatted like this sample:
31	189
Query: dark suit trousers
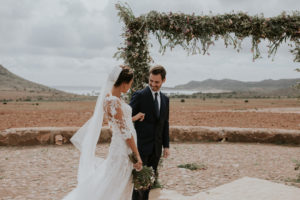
151	161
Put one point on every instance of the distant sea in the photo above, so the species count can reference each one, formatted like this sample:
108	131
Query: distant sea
82	90
94	91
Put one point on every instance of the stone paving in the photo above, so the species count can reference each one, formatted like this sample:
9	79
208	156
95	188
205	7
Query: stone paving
242	189
49	172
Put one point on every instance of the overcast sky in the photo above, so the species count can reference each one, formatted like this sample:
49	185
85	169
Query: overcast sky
72	42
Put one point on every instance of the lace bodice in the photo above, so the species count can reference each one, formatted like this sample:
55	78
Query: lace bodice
119	115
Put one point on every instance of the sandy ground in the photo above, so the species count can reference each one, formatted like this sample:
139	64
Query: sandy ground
257	113
49	172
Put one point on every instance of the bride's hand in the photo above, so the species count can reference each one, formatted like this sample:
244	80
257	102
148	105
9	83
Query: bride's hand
139	165
140	116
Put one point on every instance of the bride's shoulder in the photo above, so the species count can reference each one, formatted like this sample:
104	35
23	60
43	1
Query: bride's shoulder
109	98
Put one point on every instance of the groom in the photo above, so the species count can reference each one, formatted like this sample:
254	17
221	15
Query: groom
153	131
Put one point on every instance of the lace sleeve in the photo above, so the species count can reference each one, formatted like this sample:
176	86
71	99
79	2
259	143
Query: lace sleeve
115	116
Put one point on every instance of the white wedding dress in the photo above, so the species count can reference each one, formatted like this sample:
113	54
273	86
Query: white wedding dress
111	179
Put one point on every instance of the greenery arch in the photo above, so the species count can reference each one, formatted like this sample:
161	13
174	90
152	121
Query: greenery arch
197	33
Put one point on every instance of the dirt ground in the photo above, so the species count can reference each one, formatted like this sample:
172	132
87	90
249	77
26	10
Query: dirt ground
257	113
49	172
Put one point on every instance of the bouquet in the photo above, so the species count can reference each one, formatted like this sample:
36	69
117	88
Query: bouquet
144	178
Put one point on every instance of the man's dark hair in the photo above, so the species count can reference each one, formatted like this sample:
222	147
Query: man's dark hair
126	75
158	69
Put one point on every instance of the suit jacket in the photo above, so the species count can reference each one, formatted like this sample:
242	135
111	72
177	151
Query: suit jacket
152	133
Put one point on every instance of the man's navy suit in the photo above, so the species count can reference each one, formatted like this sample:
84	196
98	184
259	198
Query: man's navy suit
152	132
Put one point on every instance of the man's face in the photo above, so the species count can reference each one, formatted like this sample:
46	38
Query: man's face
155	82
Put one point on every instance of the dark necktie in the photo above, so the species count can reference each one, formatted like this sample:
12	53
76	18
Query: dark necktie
156	105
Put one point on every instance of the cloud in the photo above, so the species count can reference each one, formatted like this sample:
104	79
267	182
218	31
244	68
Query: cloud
69	42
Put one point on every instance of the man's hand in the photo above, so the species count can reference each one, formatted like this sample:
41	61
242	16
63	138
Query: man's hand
166	152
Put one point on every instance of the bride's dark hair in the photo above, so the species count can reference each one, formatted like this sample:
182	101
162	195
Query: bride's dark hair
125	76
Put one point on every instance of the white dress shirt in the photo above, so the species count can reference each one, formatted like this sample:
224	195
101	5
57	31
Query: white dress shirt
158	97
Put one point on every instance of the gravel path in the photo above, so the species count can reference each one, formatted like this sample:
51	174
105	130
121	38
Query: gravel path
49	172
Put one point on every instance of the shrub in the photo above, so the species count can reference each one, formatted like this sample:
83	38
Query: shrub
193	166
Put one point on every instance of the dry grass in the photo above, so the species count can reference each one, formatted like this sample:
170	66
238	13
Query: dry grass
193	112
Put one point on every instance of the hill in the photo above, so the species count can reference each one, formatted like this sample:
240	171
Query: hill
234	85
13	87
282	87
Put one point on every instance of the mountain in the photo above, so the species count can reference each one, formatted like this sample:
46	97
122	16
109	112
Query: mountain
239	86
13	87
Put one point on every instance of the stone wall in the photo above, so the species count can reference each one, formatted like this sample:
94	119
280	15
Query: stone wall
62	135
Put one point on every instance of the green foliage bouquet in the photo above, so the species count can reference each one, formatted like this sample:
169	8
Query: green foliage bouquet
142	179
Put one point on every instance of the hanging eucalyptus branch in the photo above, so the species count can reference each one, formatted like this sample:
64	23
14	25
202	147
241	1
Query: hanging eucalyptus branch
298	84
197	33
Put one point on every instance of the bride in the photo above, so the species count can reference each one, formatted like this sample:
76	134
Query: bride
110	178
